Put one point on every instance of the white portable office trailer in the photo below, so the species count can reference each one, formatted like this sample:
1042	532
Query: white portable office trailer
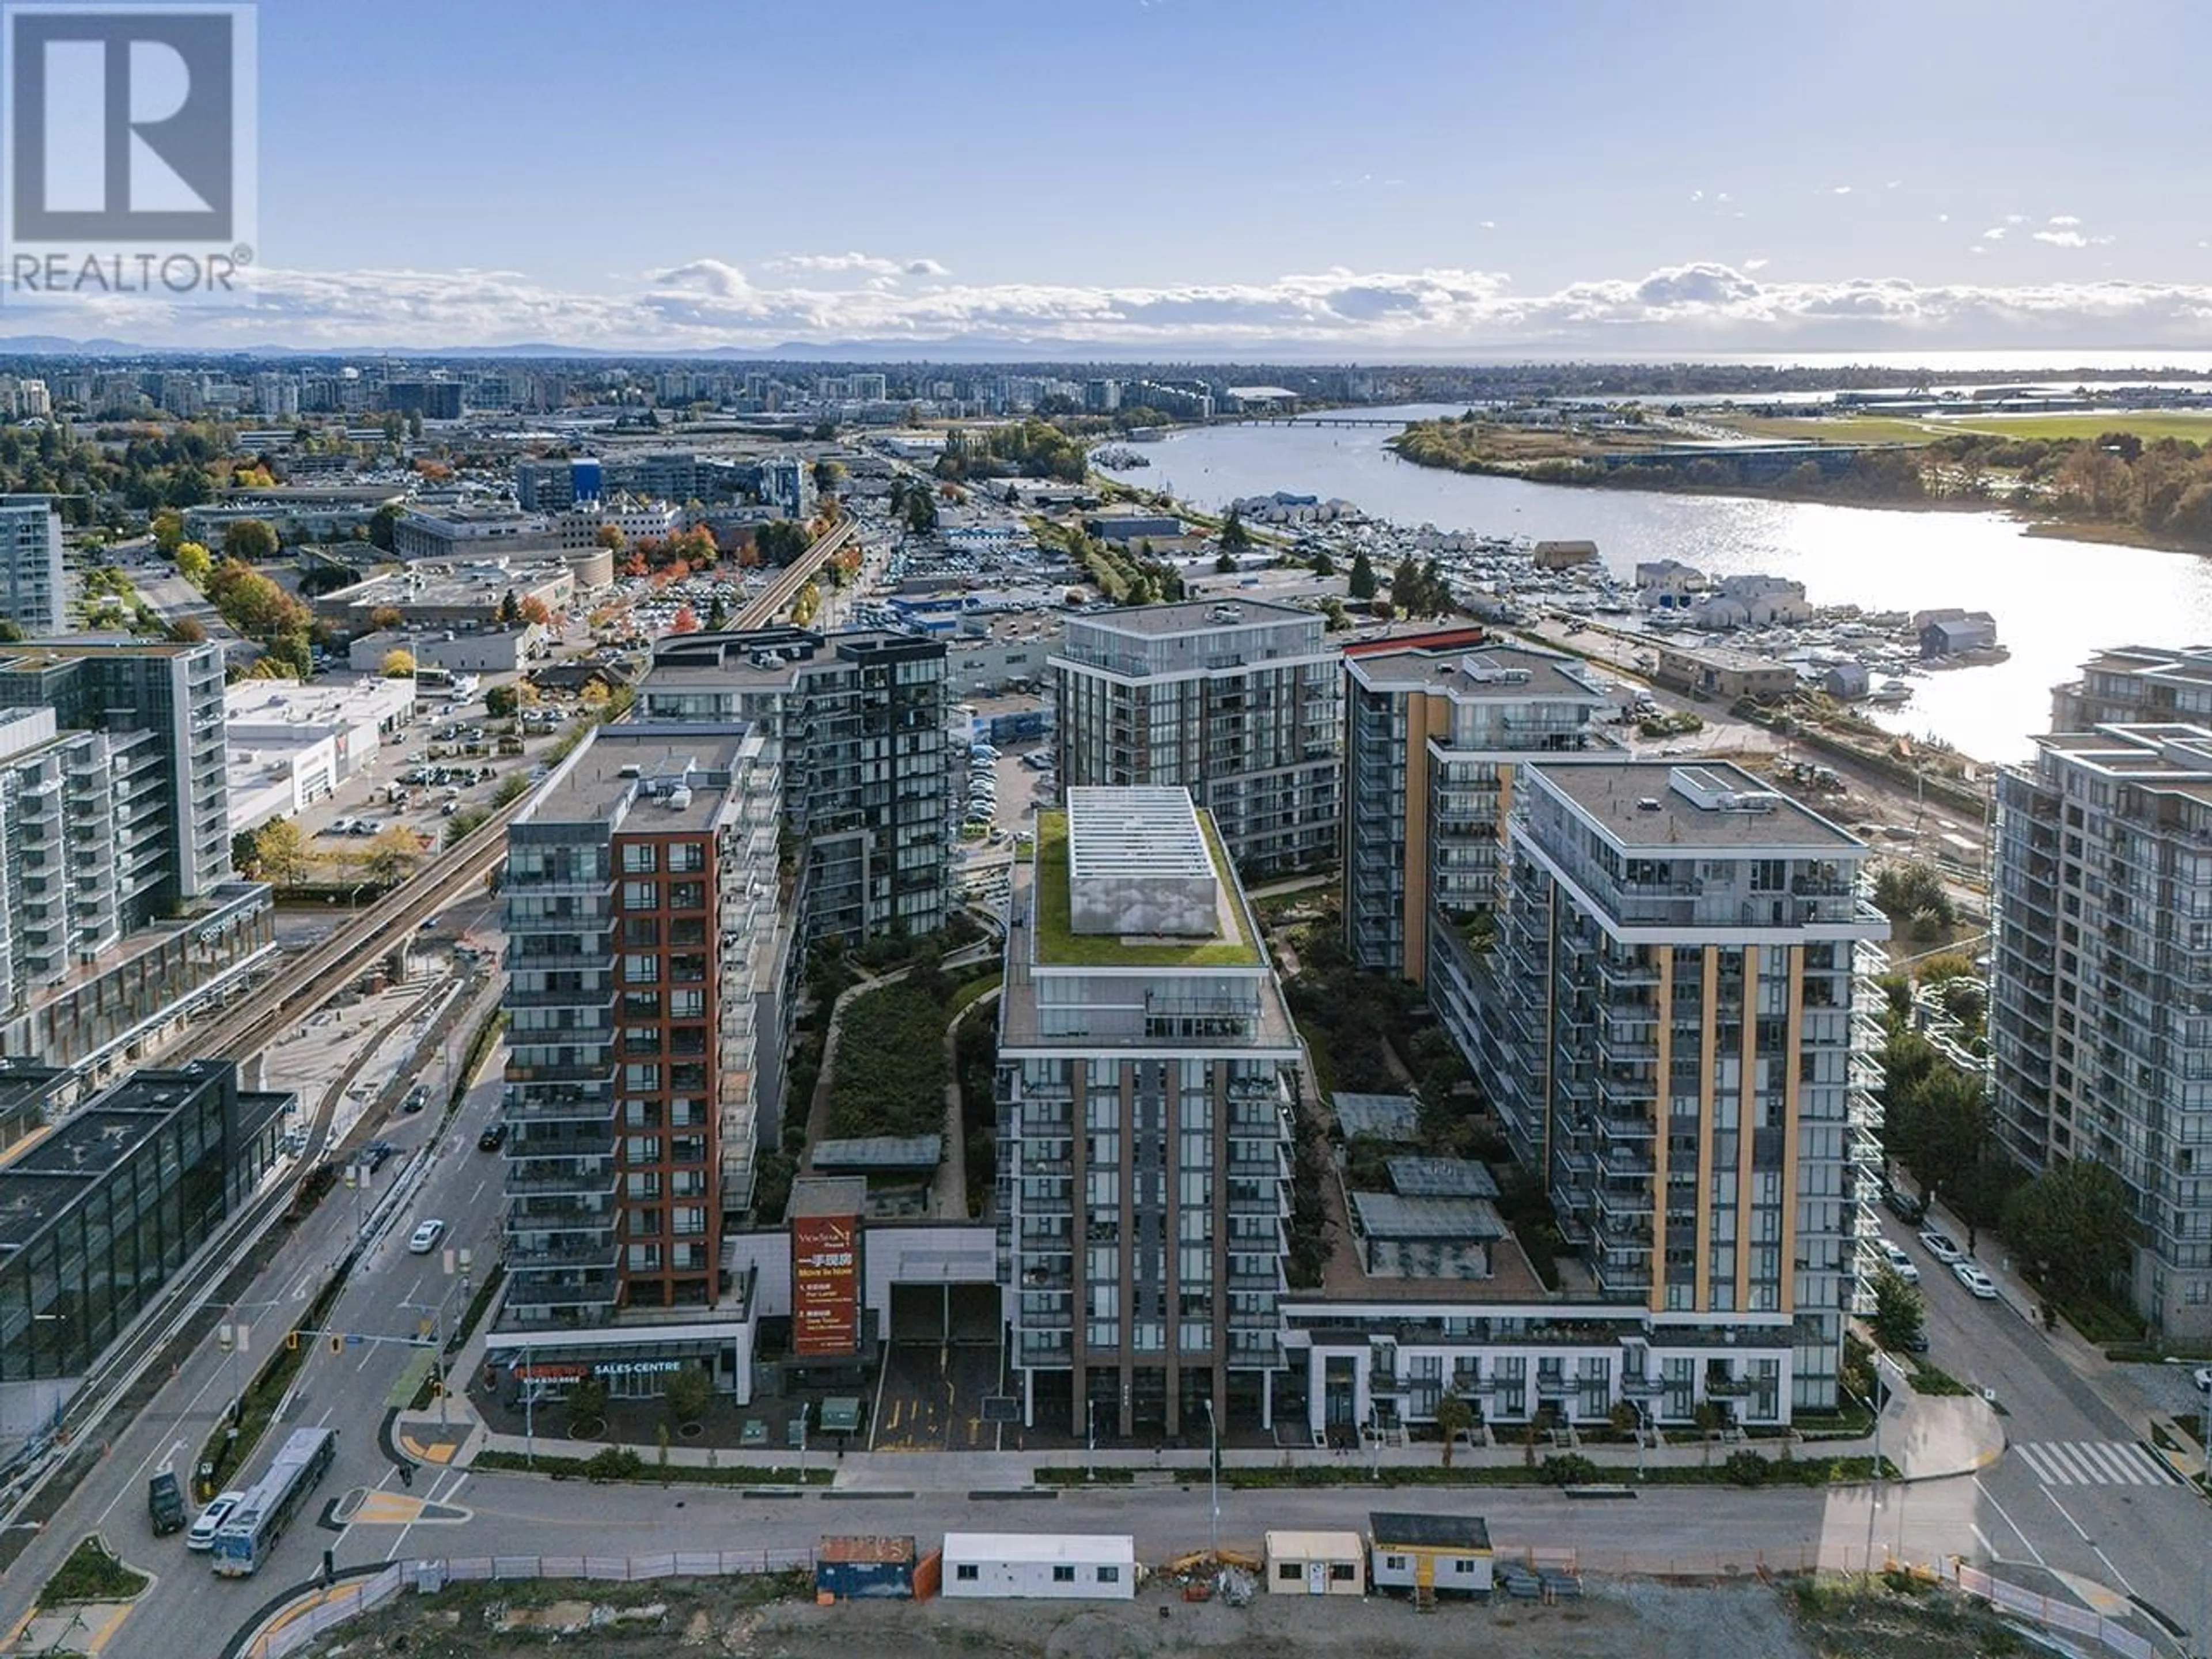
1050	1566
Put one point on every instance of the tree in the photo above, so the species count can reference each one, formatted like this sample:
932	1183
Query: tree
536	613
689	1391
501	702
1899	1312
609	535
1322	564
397	665
380	523
827	474
194	563
168	529
510	610
1907	888
393	854
1361	583
718	615
588	1402
186	631
249	539
921	512
2071	1227
686	621
1338	620
1454	1417
281	853
1936	1120
1226	564
386	618
1234	536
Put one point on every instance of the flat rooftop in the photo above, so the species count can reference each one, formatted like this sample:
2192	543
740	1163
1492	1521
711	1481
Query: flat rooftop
1441	1177
1384	1117
637	774
1059	945
1196	616
1505	673
1442	1220
1668	809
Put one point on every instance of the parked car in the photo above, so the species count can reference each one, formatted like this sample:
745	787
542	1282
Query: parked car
1900	1263
1939	1245
418	1098
2202	1376
492	1139
424	1239
202	1536
1979	1283
1906	1207
376	1151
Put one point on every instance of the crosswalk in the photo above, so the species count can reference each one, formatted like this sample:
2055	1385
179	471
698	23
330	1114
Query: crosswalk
2093	1463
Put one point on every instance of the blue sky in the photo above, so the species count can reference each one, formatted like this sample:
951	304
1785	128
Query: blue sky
1296	179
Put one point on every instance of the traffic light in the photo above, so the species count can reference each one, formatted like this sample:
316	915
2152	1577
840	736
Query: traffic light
338	1343
292	1341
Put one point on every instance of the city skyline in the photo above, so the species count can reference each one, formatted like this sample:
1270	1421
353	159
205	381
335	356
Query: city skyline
1158	178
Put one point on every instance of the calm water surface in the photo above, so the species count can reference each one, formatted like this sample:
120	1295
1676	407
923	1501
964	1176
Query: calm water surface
2054	601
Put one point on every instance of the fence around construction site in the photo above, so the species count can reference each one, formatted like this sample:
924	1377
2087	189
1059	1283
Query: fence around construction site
291	1630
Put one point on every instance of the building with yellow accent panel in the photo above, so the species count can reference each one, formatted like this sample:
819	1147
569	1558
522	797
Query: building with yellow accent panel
1675	1033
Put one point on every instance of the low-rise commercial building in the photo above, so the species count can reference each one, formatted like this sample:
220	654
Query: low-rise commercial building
1717	671
438	596
292	744
494	650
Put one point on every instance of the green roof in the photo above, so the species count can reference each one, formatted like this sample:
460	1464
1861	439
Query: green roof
1058	946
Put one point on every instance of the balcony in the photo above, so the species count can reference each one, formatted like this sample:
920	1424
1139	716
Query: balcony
546	1184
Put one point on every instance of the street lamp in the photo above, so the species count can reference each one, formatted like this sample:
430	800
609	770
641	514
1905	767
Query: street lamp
1091	1428
1213	1472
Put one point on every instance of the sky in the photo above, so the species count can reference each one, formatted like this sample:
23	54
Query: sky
1259	179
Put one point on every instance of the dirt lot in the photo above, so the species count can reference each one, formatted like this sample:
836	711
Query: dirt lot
1736	1621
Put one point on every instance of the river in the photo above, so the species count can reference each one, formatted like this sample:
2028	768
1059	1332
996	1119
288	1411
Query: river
2055	601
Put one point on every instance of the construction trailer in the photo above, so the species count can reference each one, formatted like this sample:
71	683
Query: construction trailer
1317	1563
1430	1555
847	1569
1045	1566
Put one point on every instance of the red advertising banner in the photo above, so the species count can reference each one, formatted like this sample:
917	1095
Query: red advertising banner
825	1285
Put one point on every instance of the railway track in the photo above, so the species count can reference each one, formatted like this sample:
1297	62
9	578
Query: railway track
779	593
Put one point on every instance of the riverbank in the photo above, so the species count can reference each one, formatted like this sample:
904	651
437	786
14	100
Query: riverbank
1900	478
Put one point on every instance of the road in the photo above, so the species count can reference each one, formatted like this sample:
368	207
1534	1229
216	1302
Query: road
190	1611
2076	1490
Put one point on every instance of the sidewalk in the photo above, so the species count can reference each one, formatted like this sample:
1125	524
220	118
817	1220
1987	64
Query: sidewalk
1926	1438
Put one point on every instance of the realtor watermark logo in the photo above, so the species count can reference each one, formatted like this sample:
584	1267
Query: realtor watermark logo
130	136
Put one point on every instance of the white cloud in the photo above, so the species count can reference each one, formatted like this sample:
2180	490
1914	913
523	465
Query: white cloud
1486	224
2065	219
1994	234
1893	184
2062	238
1942	218
1339	314
859	265
1697	196
1841	189
2015	218
1756	264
